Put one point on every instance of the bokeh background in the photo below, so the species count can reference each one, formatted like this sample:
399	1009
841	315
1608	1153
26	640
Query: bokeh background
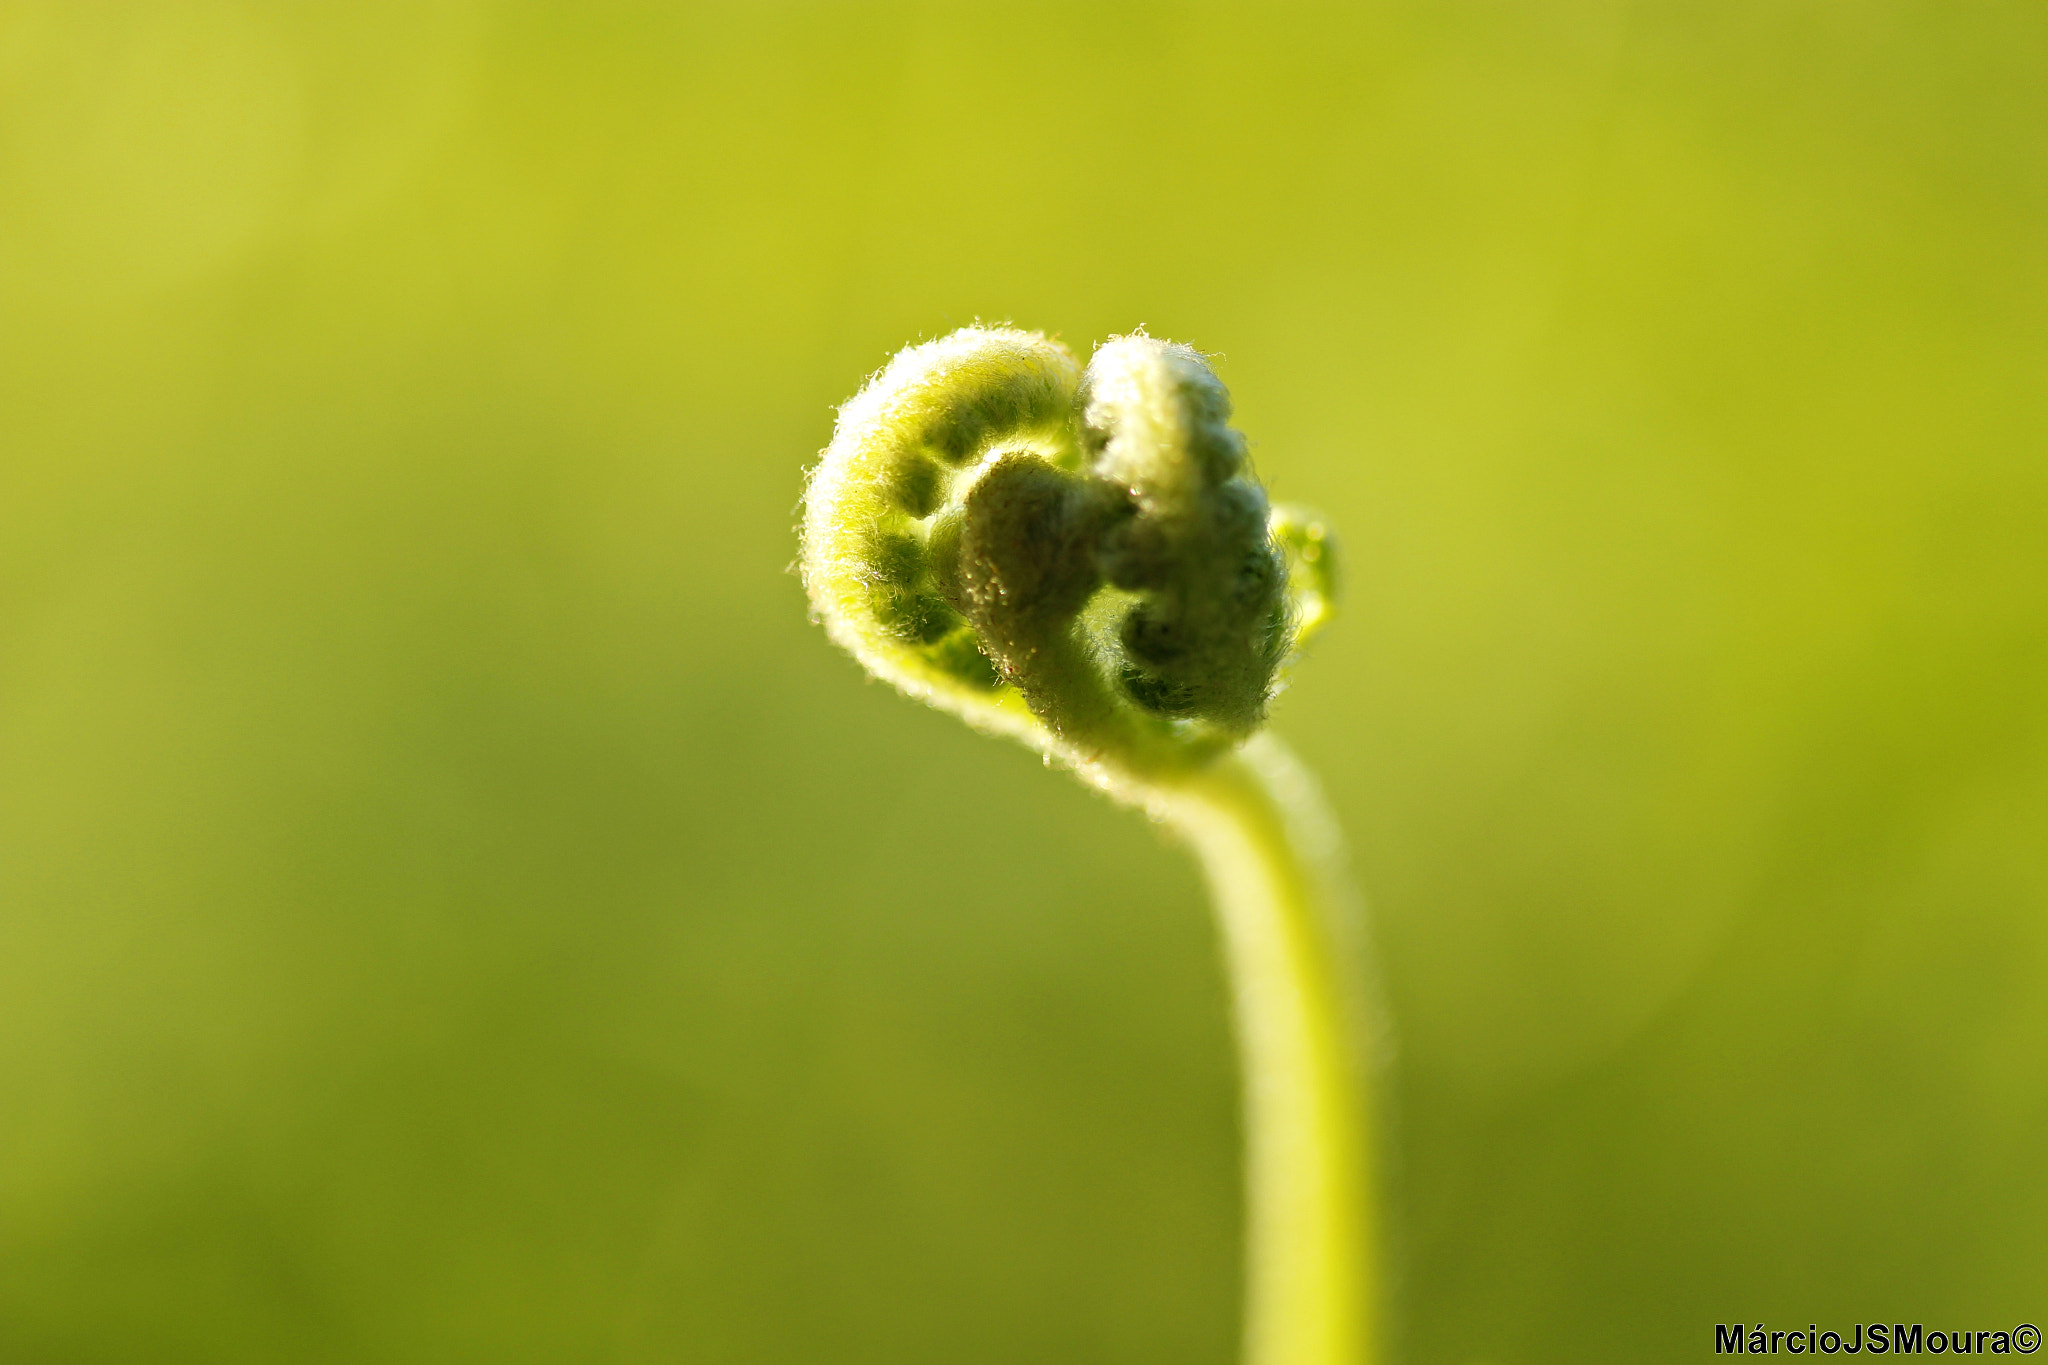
454	907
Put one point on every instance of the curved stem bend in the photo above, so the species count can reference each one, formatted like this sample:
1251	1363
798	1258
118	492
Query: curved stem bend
1275	866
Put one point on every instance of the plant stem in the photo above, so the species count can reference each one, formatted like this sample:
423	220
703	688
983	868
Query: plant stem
1275	866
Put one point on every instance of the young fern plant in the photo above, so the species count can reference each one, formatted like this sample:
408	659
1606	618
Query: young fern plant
1083	560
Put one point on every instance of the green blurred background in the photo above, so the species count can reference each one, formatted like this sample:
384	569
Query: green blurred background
453	907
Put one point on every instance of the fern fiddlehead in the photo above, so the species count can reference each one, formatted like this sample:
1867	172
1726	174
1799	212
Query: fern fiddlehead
1082	559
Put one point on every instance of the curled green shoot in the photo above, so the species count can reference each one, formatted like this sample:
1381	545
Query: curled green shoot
1081	558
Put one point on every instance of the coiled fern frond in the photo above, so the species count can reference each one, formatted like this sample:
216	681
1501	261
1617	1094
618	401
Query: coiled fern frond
1082	558
1078	557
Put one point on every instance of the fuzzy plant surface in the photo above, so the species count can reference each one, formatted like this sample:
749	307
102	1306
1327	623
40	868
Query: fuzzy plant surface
1083	559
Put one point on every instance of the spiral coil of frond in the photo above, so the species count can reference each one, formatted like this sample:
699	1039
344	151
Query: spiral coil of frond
1081	558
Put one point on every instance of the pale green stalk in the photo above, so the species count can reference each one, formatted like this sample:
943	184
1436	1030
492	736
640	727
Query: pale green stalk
1275	869
1082	559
